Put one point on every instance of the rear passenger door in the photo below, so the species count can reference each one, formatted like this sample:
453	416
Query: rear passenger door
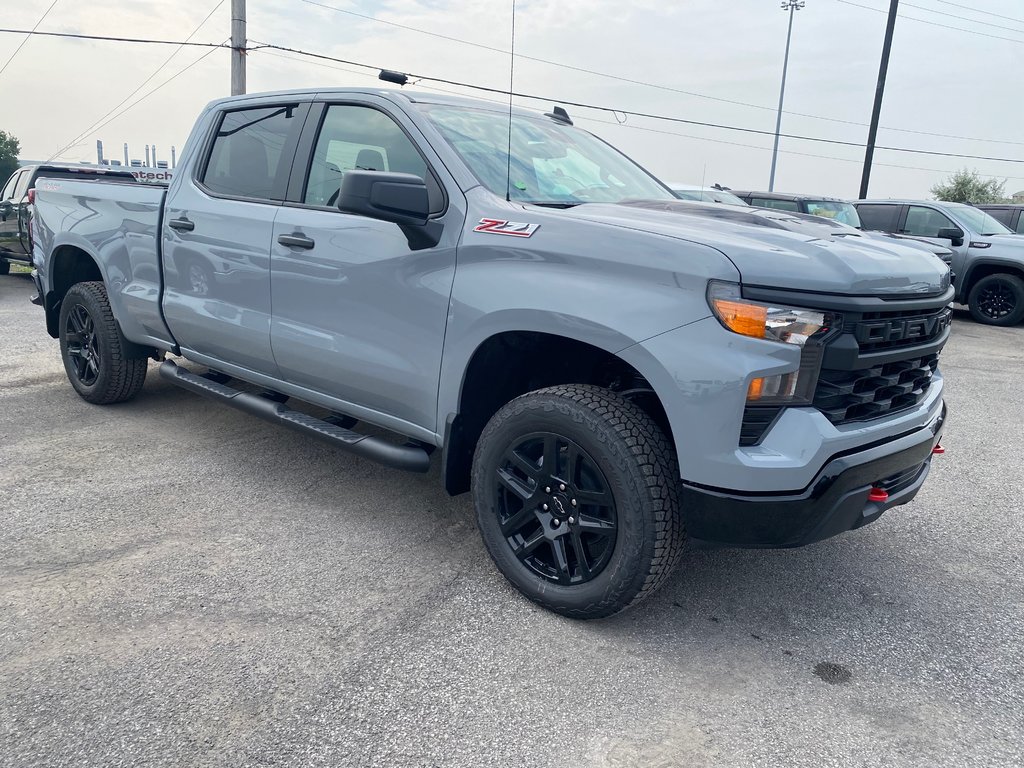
217	232
359	316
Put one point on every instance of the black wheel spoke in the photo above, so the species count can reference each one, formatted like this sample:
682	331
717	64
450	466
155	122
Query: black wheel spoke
526	548
581	556
561	560
523	464
518	520
593	524
593	498
574	462
551	456
515	485
76	321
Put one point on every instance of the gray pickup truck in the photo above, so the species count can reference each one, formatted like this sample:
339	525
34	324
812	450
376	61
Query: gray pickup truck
988	258
605	373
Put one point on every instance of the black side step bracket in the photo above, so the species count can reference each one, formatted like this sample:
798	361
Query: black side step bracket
411	458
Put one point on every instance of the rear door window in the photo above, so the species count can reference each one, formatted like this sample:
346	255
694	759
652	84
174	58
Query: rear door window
22	186
1020	223
1002	215
879	218
252	153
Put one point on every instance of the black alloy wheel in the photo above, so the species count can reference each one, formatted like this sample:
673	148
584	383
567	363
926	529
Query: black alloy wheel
998	300
83	352
556	509
576	492
100	363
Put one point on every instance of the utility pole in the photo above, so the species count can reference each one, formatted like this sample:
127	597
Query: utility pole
237	47
792	6
883	69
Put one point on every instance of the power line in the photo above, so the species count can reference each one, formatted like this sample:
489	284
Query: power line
33	32
652	116
934	23
978	10
157	88
93	128
962	18
29	35
632	81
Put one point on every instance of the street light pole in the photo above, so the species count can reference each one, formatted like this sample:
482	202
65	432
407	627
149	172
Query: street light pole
876	110
792	6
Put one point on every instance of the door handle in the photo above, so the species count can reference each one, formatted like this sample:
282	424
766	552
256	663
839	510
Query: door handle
296	240
183	224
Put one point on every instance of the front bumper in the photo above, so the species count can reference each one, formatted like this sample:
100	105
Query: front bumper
836	500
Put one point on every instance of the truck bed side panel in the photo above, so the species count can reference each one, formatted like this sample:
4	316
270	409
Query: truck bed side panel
118	225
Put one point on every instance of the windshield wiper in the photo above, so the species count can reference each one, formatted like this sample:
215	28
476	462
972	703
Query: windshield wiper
549	203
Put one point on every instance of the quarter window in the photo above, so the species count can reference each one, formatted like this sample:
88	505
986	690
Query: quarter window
248	157
22	186
1020	224
925	222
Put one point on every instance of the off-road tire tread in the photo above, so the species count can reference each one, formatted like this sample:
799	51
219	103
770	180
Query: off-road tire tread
639	442
128	374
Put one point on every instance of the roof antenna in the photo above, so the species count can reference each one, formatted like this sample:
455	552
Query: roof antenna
511	76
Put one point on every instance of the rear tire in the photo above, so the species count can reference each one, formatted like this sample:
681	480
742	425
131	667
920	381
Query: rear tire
997	300
579	465
5	267
93	349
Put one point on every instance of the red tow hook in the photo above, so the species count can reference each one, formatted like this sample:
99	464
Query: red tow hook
878	494
938	450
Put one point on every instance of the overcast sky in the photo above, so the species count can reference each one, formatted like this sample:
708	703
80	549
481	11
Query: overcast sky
958	79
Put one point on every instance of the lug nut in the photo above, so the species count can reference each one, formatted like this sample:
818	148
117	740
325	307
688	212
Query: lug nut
572	519
544	507
573	502
556	523
547	489
561	486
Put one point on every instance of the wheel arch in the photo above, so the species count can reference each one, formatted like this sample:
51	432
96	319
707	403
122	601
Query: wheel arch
68	264
510	363
983	268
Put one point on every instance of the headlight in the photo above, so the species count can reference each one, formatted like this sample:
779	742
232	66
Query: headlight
788	325
782	324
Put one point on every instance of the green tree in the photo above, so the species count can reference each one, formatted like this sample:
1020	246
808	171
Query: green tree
966	186
9	149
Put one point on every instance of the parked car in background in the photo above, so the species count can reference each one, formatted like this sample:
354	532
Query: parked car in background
816	205
16	201
1009	215
987	257
704	194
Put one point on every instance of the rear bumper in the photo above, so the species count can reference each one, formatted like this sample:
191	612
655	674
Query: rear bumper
836	500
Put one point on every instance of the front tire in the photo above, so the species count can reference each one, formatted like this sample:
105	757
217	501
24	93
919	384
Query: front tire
93	349
997	300
576	493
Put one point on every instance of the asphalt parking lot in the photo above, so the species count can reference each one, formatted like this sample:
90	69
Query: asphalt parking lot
184	585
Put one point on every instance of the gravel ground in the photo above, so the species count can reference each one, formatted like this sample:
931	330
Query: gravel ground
183	585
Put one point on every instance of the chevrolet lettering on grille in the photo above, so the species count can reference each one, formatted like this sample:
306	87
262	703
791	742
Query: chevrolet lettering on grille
903	328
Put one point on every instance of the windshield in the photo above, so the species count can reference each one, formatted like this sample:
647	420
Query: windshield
981	222
551	163
837	210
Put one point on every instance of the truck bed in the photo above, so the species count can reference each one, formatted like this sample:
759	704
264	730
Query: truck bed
122	222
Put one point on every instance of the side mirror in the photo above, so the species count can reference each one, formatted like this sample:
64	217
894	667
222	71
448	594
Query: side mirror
954	234
400	198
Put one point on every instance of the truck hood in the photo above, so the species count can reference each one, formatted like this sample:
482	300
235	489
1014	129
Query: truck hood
807	257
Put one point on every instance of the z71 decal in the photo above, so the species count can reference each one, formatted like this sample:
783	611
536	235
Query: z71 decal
502	227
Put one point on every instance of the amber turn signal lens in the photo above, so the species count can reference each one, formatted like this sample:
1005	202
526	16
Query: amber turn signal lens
743	318
755	389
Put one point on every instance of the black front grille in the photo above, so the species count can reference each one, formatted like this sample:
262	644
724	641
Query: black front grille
868	393
877	331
